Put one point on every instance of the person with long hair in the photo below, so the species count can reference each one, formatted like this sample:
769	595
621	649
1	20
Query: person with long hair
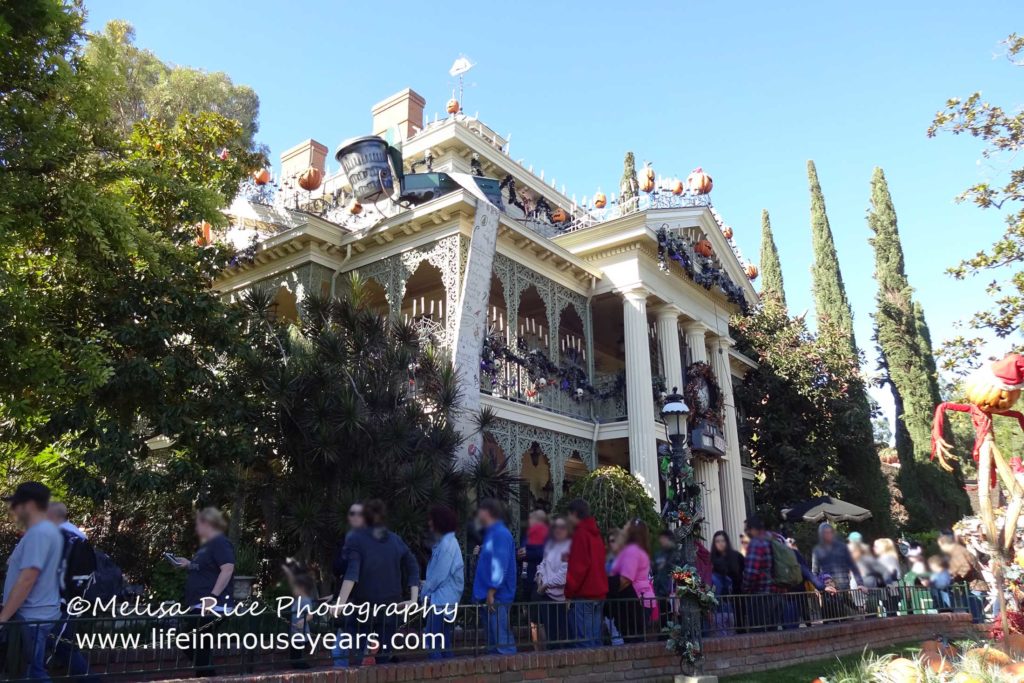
888	559
630	577
727	578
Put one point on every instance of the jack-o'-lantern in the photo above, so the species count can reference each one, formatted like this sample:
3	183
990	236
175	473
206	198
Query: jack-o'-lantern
646	178
262	176
205	234
600	201
559	216
677	187
751	271
699	182
453	106
727	231
703	247
354	207
311	179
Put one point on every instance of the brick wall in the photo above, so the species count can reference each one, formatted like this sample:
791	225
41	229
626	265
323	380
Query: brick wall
651	661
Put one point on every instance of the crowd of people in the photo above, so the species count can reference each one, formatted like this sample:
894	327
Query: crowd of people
581	588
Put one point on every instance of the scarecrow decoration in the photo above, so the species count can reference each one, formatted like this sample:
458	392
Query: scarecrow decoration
991	392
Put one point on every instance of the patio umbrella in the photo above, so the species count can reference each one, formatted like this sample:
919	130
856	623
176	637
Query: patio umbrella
825	507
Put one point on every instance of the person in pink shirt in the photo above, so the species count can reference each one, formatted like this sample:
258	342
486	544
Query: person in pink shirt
630	577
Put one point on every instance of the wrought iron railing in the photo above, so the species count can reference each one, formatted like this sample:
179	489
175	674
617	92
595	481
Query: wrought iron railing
154	648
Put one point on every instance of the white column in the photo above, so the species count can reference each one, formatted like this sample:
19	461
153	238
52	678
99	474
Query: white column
643	447
730	472
705	470
668	342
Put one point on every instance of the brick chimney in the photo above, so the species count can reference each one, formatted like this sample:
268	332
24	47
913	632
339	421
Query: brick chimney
398	116
300	157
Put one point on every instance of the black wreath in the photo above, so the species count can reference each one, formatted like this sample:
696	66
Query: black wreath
695	373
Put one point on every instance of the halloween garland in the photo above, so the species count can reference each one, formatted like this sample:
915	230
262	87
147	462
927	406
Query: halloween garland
674	247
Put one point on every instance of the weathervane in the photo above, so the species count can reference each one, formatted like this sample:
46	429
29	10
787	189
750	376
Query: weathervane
459	69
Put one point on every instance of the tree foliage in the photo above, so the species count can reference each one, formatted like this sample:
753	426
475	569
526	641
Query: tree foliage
908	370
1003	133
771	268
142	86
794	407
616	498
858	459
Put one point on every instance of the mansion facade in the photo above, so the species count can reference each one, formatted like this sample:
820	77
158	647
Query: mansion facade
569	321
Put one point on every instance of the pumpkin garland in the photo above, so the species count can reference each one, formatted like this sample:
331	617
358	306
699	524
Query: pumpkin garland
672	247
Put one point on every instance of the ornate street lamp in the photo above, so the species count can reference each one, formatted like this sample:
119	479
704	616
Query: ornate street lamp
681	515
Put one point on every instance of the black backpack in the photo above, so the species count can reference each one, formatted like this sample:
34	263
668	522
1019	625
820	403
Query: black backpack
77	570
109	581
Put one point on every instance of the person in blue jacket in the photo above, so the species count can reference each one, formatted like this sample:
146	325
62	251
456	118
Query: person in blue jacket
445	581
495	581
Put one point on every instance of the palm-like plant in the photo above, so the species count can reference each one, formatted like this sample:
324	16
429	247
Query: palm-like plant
348	405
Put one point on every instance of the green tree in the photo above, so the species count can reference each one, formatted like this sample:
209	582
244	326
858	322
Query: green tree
142	86
794	407
616	498
629	186
1003	133
908	369
771	267
857	457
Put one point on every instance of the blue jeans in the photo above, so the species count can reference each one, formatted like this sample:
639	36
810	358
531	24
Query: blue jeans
34	638
499	633
67	658
585	617
443	632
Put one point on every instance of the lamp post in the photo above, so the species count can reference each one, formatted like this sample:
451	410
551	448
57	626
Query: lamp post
681	514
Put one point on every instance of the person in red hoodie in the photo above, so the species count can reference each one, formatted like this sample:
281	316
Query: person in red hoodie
586	583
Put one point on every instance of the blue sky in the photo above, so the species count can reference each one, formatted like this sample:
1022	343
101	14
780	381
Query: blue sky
747	90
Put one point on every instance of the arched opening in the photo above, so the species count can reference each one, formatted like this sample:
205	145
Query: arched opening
532	320
376	297
572	344
494	379
285	306
424	302
536	489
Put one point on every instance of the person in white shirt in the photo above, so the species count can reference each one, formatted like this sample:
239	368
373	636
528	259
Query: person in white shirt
58	514
551	584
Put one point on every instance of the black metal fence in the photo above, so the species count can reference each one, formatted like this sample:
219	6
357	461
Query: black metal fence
153	648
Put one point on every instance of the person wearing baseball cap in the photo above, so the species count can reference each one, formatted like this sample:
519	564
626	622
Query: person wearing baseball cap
31	587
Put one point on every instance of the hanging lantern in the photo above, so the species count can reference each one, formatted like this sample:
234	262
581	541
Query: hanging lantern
311	179
559	216
751	271
262	176
600	201
355	208
727	231
453	106
677	186
205	234
699	182
703	247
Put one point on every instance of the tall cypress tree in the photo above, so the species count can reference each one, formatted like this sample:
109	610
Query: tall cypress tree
904	345
629	186
858	460
771	268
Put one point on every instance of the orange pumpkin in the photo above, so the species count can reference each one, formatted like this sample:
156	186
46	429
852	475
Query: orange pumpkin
646	184
600	201
727	231
699	182
751	271
1014	672
990	656
453	106
703	247
205	236
1015	643
677	187
559	216
355	208
936	663
262	176
311	179
648	172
